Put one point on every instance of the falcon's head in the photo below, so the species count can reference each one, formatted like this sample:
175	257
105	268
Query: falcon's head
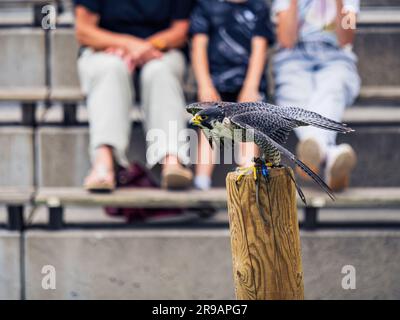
207	115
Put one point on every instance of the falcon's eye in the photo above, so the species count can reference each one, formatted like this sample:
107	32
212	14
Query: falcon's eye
204	117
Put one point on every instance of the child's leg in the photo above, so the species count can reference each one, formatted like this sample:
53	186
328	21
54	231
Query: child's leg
205	166
336	86
248	150
294	86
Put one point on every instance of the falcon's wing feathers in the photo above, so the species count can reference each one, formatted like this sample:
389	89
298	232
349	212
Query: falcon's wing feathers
301	116
270	124
305	117
258	135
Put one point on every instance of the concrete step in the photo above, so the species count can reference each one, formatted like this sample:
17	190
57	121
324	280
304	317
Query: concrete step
380	3
377	163
62	156
63	59
205	204
196	264
214	198
10	265
378	63
379	95
78	217
356	115
22	58
366	110
374	16
376	149
376	46
16	157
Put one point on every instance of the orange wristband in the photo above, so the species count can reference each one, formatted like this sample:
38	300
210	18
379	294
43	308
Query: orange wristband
159	44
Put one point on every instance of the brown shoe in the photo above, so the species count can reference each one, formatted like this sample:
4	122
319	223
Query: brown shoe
340	162
309	151
176	177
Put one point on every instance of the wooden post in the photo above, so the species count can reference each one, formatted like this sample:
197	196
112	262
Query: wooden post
266	251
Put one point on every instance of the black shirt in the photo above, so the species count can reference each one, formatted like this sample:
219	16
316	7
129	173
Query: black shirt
230	27
140	18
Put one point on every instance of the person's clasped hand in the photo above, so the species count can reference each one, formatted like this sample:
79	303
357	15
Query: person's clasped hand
142	51
136	53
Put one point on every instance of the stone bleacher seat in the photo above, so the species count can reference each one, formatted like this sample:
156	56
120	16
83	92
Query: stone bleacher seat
380	3
23	73
64	76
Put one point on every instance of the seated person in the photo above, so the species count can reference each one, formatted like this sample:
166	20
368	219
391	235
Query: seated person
119	38
229	50
315	68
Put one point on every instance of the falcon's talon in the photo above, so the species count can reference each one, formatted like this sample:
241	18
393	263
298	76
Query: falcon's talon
243	171
254	172
259	166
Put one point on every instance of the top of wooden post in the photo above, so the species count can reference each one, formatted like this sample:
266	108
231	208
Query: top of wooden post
273	173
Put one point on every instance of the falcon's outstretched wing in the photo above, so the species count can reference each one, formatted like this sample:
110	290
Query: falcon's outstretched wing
301	116
306	117
274	126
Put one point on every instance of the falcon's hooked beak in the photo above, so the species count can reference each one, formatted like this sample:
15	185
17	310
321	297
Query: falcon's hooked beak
196	120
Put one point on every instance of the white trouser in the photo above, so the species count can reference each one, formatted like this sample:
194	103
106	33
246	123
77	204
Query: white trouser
108	84
317	78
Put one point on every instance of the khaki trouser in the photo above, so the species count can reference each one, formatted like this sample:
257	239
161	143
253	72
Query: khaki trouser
108	85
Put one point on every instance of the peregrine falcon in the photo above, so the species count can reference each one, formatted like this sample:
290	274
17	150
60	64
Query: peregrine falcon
270	126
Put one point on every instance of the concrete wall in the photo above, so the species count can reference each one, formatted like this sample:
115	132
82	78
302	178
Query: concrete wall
196	264
374	255
160	264
10	284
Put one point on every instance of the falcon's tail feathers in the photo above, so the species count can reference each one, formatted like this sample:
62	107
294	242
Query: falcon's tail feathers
262	136
315	177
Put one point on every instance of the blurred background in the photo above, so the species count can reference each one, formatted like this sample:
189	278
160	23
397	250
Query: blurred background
43	151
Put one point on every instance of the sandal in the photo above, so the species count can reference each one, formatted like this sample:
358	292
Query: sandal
101	182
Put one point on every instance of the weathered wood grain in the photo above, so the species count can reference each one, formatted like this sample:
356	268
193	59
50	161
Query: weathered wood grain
266	252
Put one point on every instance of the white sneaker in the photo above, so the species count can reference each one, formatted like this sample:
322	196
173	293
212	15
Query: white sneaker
202	182
310	152
341	160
